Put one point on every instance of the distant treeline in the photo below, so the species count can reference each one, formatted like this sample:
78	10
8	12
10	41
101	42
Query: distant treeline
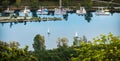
36	4
12	2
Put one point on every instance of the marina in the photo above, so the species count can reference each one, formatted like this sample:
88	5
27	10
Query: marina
46	15
59	30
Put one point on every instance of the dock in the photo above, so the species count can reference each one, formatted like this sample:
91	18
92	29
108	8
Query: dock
29	19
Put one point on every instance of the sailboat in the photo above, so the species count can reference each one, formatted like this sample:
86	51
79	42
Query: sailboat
81	11
76	34
60	10
26	10
48	32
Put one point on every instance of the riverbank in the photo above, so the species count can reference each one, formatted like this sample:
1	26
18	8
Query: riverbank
74	5
68	8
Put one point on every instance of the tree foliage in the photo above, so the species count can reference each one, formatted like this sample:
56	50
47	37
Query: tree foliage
39	43
9	52
88	4
62	42
18	3
5	3
103	48
34	4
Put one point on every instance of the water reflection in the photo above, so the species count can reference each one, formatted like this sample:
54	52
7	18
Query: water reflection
2	23
89	25
11	25
65	17
17	12
51	13
88	16
34	14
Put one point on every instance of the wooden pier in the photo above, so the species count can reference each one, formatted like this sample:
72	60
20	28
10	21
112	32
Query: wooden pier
28	19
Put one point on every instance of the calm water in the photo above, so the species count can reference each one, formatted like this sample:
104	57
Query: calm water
24	33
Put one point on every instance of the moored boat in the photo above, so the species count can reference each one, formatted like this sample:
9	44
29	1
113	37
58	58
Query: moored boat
26	10
102	11
60	11
8	10
81	11
42	11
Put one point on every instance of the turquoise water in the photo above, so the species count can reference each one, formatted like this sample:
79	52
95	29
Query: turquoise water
24	33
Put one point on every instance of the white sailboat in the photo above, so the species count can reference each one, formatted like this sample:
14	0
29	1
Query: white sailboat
48	32
26	10
60	10
76	34
81	11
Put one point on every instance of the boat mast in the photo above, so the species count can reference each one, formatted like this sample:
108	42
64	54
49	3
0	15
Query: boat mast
60	2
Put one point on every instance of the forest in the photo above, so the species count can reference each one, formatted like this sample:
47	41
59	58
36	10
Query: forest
103	48
35	3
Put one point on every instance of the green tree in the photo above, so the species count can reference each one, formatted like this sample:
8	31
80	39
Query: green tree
88	4
39	43
18	3
76	42
34	4
14	44
9	52
103	48
5	3
65	2
88	16
62	42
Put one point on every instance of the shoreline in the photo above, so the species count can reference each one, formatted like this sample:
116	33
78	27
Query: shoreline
69	8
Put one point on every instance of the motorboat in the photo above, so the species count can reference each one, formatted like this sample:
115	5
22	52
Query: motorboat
42	11
102	11
81	11
8	10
